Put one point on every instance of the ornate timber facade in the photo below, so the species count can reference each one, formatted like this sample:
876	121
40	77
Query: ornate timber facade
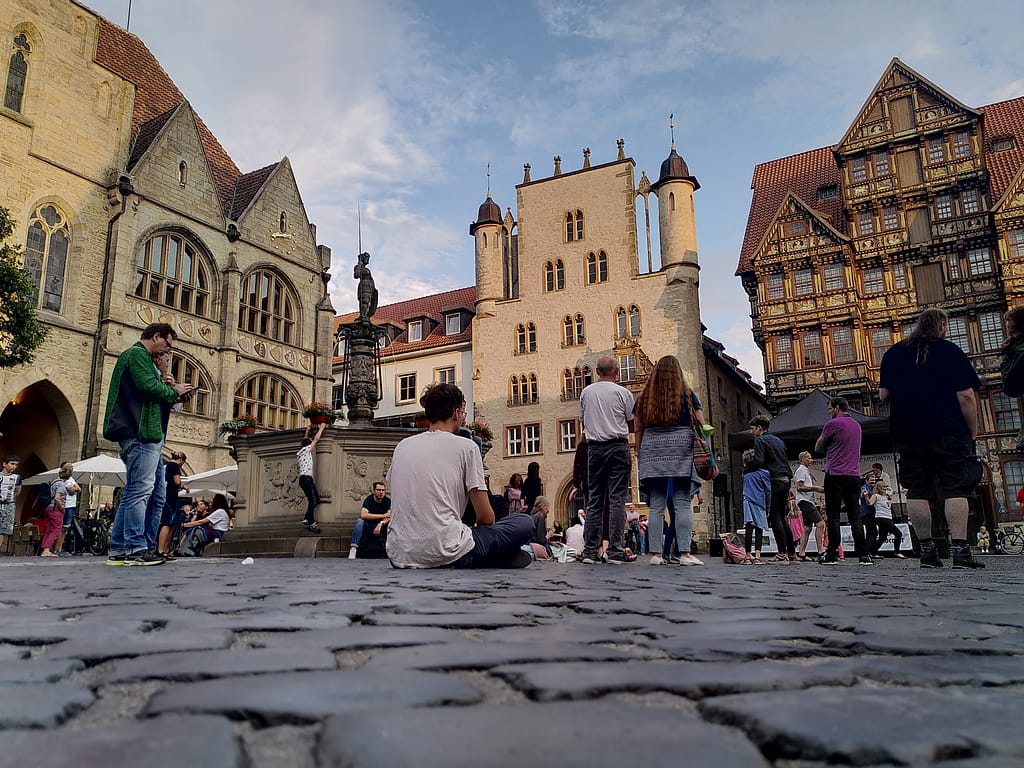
920	204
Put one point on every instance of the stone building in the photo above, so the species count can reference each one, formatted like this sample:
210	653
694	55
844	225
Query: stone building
131	212
920	204
429	339
562	282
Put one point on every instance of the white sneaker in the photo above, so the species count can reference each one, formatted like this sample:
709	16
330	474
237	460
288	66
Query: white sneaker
688	559
352	553
657	560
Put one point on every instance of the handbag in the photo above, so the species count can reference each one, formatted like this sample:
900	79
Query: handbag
703	459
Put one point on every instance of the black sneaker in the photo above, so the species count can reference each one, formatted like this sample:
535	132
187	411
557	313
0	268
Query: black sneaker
314	526
866	561
966	560
622	557
144	557
829	558
930	560
519	559
115	559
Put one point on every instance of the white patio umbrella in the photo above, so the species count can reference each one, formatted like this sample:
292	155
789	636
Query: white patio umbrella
201	492
96	470
221	478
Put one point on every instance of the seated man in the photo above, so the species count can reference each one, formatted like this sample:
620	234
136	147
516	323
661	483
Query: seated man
432	475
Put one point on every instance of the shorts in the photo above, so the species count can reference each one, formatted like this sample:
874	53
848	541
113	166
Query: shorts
945	469
810	513
69	515
6	519
171	514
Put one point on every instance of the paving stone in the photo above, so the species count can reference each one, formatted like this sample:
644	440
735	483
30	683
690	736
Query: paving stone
351	638
563	631
444	620
30	705
202	665
468	655
103	644
566	735
165	742
307	696
580	680
11	652
944	670
876	725
38	670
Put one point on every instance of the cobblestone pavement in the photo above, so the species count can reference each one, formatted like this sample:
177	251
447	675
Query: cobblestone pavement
351	663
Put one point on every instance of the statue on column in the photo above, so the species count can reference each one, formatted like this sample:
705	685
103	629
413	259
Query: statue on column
366	291
361	376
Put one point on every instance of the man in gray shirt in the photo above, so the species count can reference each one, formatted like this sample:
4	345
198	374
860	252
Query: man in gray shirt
606	413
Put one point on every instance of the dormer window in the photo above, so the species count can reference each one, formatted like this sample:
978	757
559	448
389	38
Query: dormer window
828	192
452	324
415	330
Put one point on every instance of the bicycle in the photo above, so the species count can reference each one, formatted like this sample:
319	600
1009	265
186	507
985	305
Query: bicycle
1011	542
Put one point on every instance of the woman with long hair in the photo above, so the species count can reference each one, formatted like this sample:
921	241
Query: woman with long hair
533	486
514	494
667	411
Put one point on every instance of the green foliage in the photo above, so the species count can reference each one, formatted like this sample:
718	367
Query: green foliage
232	426
21	331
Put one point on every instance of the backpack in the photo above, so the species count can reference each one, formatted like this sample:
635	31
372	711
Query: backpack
45	497
733	550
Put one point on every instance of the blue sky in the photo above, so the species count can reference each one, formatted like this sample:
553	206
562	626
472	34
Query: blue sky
399	106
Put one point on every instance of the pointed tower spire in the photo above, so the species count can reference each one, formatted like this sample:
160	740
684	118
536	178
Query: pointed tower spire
672	129
488	180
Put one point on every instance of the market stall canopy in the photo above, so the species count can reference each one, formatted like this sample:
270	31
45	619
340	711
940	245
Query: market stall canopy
799	427
221	478
96	470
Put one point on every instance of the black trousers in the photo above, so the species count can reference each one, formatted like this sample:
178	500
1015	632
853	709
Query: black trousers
608	468
781	531
885	527
312	496
842	494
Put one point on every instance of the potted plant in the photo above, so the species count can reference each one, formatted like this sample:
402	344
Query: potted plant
242	425
481	430
319	413
420	420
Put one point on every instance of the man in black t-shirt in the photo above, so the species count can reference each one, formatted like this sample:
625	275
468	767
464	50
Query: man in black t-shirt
932	389
375	516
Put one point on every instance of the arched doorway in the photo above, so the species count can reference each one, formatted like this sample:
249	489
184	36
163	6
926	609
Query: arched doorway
41	428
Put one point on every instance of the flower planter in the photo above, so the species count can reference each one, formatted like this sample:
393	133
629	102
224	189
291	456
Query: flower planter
422	422
247	430
319	419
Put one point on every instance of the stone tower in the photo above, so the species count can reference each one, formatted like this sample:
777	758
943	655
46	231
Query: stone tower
486	231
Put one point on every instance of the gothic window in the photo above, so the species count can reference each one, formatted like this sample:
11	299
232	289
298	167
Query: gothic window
620	322
559	275
186	371
858	169
570	228
169	270
579	225
17	73
979	261
282	222
842	344
890	217
881	340
521	339
515	392
271	400
774	288
534	396
634	321
549	277
526	338
834	277
568	336
46	254
597	267
182	173
874	280
581	329
531	337
803	282
554	276
510	265
811	343
783	353
267	306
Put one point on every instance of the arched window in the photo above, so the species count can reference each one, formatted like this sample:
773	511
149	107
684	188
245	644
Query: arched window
513	390
634	321
620	323
509	264
170	270
573	382
282	224
559	275
549	277
46	254
267	306
531	337
567	384
570	228
270	400
533	388
671	201
597	267
484	236
568	334
186	371
581	330
520	339
579	225
182	173
17	73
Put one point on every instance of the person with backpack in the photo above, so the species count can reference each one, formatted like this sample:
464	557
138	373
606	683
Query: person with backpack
54	512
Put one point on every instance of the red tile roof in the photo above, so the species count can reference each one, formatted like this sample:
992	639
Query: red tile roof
245	189
802	174
434	307
156	96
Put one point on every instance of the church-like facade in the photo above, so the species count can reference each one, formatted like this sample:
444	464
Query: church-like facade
129	211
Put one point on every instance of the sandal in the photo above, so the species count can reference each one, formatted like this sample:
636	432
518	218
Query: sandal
748	560
758	561
779	559
803	558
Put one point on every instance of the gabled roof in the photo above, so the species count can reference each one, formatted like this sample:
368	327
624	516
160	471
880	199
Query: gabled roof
433	307
801	174
717	348
156	97
147	134
245	189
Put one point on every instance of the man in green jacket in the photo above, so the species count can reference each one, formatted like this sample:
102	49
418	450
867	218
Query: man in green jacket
134	418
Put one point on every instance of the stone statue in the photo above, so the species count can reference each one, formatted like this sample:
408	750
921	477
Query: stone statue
366	291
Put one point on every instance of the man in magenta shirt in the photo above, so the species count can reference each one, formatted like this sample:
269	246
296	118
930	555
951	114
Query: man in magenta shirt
840	442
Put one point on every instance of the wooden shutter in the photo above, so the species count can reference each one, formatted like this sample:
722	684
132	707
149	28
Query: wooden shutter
902	115
908	168
920	226
929	284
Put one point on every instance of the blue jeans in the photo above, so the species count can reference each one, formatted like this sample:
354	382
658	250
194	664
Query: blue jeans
682	513
357	532
495	544
141	500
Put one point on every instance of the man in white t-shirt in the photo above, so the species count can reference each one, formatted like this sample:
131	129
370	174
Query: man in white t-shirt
70	509
432	476
804	494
